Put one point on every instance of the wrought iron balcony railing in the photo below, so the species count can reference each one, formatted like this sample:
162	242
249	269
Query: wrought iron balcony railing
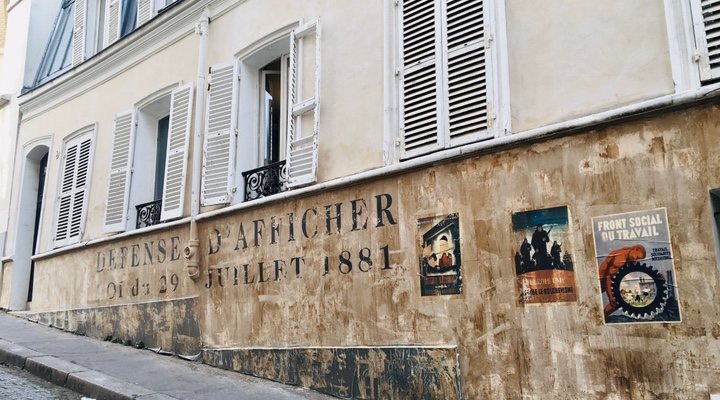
264	181
148	214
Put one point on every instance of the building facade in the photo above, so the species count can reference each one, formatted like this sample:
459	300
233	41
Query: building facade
386	199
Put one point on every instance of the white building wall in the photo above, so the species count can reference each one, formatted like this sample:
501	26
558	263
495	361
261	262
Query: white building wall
569	59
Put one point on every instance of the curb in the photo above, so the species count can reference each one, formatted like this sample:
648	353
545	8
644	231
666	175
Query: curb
73	376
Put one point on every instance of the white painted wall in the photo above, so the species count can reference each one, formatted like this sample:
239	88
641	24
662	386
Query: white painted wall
574	58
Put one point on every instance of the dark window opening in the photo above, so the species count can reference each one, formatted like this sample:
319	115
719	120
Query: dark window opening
272	105
129	17
160	156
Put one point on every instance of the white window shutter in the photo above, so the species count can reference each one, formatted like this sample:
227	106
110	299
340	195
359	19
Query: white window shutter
177	152
65	198
112	22
465	75
145	11
220	136
421	78
118	190
72	200
78	54
706	21
302	148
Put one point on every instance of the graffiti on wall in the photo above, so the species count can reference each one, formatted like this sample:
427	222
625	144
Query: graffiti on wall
543	256
440	256
635	267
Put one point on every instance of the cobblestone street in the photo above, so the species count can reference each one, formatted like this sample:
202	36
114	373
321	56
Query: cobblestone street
18	384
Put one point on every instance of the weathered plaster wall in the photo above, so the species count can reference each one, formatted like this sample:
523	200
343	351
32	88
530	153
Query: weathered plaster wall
572	59
505	350
132	289
6	273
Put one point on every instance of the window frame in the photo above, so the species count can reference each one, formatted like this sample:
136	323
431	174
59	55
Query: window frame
496	75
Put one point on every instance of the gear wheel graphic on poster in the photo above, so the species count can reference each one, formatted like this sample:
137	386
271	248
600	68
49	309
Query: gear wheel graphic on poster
640	291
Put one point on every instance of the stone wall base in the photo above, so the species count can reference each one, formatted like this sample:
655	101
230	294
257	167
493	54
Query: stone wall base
352	372
168	325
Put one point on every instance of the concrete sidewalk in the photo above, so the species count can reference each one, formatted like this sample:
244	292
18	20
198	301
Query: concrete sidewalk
105	370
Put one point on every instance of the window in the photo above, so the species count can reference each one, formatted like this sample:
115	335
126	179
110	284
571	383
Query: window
128	20
262	166
444	89
273	99
706	18
58	53
74	183
161	4
153	141
263	119
90	28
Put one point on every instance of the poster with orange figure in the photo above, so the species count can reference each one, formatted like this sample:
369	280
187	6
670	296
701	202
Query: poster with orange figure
635	267
543	256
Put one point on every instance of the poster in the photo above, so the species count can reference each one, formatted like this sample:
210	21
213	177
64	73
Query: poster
635	267
440	258
544	265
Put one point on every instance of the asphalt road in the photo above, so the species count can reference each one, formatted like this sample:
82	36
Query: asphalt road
18	384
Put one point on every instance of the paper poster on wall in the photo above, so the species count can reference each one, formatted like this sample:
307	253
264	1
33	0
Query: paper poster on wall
544	265
635	266
440	258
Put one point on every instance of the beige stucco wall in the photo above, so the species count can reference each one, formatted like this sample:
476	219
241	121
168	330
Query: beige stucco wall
351	96
562	351
99	106
569	59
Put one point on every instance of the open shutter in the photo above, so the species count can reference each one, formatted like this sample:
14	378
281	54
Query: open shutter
145	11
302	148
118	190
177	152
421	78
78	54
66	195
82	179
467	94
220	136
706	21
72	200
112	22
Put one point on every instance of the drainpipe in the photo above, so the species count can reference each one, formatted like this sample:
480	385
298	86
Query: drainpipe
192	258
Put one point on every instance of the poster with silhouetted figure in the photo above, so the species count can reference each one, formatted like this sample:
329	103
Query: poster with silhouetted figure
544	265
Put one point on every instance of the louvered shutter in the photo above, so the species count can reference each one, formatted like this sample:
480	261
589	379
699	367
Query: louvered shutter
78	54
72	200
220	136
112	22
302	148
145	11
467	94
118	191
706	20
420	80
177	152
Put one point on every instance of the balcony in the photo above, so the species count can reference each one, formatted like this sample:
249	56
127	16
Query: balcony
265	181
148	214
